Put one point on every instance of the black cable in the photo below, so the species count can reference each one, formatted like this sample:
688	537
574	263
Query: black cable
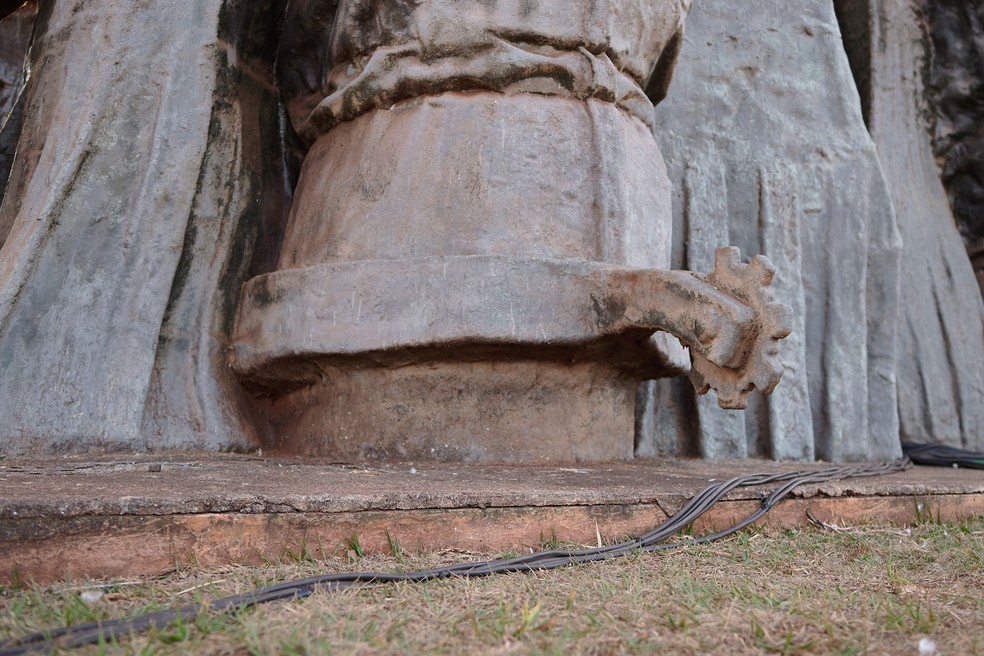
940	455
105	631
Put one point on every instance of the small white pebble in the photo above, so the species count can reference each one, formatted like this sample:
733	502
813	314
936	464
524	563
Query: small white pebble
91	596
927	647
413	470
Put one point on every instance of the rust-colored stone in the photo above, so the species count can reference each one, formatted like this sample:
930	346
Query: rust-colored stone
122	547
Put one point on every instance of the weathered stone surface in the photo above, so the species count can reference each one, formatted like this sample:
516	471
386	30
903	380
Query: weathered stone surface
956	88
339	61
491	409
73	517
142	167
941	346
956	91
384	309
481	174
158	186
462	358
767	149
140	192
477	173
15	36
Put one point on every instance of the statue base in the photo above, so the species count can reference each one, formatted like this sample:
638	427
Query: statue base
488	411
477	358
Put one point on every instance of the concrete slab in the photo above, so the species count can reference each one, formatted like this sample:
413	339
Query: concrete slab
140	515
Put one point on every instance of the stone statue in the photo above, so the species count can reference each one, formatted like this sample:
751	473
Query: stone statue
940	362
475	257
443	230
473	265
778	162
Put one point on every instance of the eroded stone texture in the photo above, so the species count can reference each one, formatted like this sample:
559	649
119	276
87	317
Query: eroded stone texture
941	347
15	36
956	89
141	169
767	150
445	133
140	190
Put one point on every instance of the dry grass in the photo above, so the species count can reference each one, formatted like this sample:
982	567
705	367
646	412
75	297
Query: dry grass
860	591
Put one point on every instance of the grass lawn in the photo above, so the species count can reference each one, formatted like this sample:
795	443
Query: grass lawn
863	590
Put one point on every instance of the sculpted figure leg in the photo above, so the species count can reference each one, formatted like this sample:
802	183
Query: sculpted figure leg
475	260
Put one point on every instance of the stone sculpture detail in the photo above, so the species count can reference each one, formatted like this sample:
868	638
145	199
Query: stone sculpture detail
940	361
482	219
760	368
152	177
777	161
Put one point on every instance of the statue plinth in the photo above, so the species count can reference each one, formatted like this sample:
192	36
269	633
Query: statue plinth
492	358
499	358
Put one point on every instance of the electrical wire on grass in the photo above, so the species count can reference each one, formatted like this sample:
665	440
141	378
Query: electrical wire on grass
107	631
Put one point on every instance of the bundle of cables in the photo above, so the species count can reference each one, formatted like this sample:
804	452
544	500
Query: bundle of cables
655	540
940	455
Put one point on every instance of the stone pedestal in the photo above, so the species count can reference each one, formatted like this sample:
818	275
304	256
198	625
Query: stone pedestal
468	358
464	411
